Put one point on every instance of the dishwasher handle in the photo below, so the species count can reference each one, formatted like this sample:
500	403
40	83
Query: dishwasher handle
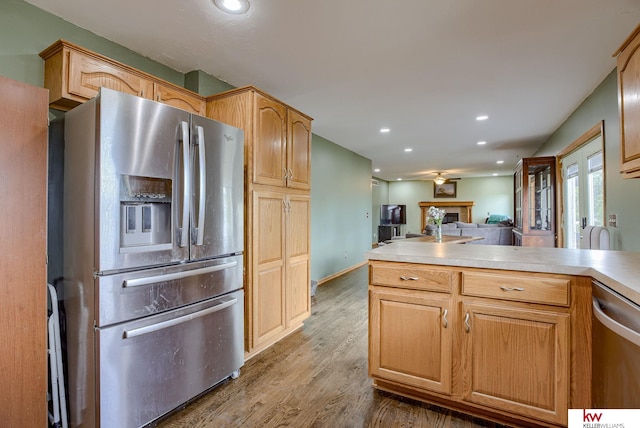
613	325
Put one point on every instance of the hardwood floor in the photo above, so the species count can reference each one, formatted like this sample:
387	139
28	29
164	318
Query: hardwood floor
317	377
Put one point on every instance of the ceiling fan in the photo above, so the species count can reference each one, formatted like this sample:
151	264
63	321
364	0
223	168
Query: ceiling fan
439	179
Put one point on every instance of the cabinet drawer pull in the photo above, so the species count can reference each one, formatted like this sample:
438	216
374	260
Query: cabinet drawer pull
409	278
467	326
444	319
503	288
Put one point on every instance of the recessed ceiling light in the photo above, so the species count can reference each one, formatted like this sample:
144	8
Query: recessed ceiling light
385	130
408	149
482	143
483	117
500	162
376	170
233	6
399	179
495	174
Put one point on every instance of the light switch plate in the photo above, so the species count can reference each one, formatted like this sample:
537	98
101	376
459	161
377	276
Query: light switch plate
613	220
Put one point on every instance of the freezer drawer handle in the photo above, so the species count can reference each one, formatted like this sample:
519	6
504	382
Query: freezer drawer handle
149	280
621	330
129	334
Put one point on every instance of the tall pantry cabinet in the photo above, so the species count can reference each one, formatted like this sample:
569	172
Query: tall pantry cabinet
277	211
23	232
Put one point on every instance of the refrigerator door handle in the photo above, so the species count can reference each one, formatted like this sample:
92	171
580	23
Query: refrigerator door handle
186	191
150	280
203	187
128	334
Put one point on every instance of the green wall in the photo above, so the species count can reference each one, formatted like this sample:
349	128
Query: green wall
341	186
204	84
379	196
25	31
340	208
490	194
622	196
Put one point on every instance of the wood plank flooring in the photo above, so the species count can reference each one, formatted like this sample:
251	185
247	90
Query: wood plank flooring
316	377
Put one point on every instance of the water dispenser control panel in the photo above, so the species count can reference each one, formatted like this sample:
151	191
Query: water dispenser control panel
145	213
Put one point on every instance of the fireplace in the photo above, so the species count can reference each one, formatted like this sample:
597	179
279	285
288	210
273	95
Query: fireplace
450	218
454	211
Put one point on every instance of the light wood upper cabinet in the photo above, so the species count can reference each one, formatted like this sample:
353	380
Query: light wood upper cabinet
277	137
298	151
269	148
179	97
628	66
88	74
74	75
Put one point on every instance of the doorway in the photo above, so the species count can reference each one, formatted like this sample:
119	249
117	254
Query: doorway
582	187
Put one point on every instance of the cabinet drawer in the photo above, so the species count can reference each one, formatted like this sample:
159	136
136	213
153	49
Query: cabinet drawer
533	289
413	276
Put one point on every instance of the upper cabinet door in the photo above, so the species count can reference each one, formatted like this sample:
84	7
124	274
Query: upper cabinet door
87	75
269	148
628	66
298	151
74	75
176	97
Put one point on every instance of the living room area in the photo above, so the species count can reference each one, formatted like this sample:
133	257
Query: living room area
491	196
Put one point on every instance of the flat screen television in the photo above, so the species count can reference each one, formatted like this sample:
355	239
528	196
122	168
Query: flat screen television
393	214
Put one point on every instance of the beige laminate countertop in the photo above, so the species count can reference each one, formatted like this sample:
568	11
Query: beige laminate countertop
619	270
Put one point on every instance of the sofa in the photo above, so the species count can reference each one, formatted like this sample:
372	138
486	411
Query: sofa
493	233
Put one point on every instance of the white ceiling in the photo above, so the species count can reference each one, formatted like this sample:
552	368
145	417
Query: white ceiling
424	68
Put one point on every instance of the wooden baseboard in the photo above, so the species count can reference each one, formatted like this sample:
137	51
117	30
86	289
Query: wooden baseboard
342	272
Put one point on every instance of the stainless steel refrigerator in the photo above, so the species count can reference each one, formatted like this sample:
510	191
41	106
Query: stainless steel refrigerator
153	264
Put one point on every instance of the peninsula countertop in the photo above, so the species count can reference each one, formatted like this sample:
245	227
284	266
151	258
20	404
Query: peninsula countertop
619	270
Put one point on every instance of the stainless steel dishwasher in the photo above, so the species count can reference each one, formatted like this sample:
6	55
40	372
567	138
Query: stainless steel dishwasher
616	350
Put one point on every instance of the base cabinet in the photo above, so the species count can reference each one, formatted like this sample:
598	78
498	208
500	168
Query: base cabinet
411	338
517	360
508	346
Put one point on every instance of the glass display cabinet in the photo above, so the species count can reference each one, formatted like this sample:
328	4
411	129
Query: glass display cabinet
534	202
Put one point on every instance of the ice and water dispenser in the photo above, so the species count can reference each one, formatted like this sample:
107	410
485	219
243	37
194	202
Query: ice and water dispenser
145	213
